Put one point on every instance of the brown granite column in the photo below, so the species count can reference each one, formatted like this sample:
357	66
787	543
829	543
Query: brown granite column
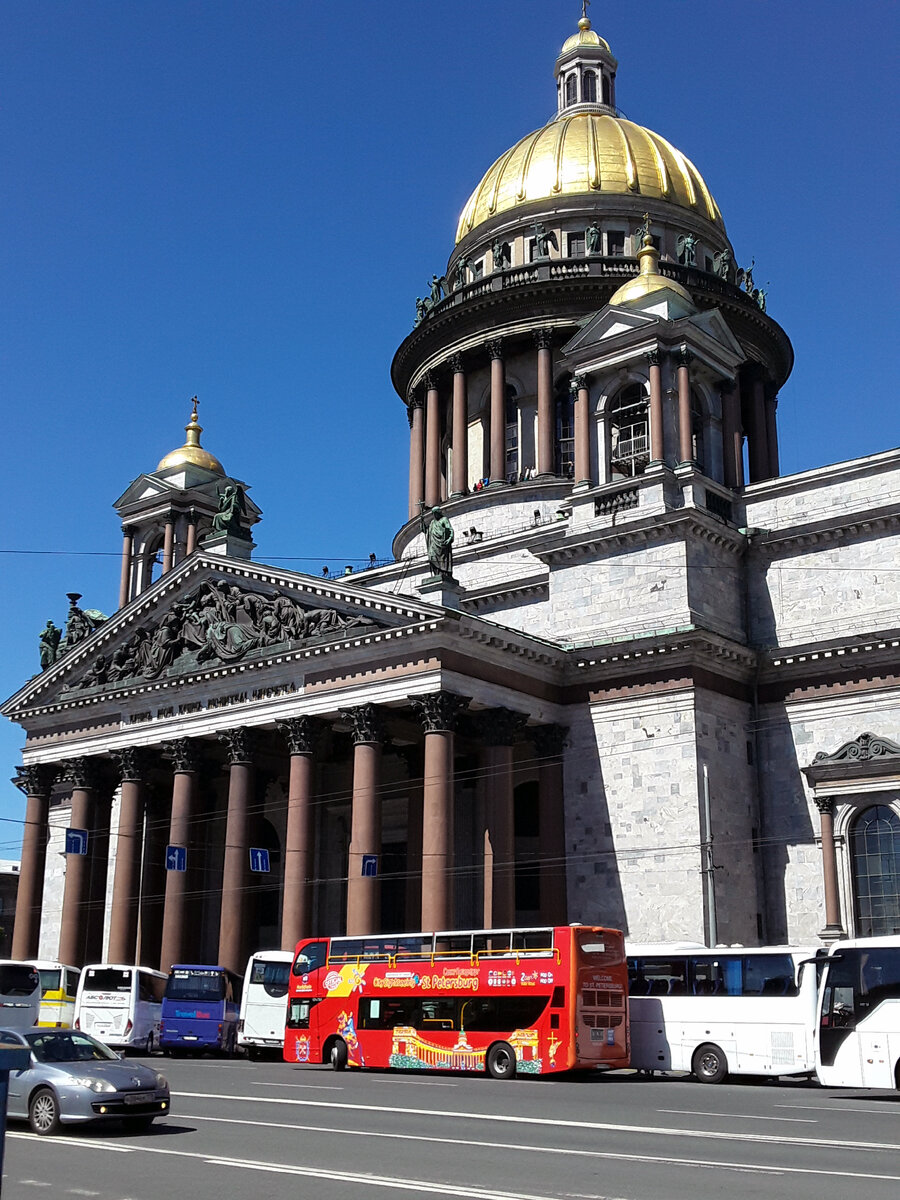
685	439
185	757
498	729
125	578
833	927
124	913
36	782
548	743
415	414
438	713
168	544
460	480
364	891
657	425
498	412
432	443
73	933
239	745
582	431
753	405
771	405
543	339
191	544
302	734
732	434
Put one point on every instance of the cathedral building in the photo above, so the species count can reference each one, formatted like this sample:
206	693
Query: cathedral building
620	670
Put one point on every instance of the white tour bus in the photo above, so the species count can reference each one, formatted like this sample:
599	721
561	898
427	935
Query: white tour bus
724	1011
59	989
121	1005
264	1002
20	994
858	1026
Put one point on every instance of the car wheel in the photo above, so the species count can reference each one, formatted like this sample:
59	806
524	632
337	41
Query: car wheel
709	1064
501	1061
43	1112
338	1055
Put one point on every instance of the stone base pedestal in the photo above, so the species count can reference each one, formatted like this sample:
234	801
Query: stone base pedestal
443	591
228	545
831	934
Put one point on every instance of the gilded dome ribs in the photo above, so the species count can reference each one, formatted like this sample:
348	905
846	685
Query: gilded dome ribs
631	175
558	156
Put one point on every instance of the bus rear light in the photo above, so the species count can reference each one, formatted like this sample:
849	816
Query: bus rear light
129	1025
78	1022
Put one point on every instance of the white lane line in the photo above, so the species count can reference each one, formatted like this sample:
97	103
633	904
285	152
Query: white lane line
872	1112
693	1112
552	1122
446	1189
321	1087
418	1082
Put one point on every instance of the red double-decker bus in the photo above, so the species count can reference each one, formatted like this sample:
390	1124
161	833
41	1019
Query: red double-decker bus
531	1001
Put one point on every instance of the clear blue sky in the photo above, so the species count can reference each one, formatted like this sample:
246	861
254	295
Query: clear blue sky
243	199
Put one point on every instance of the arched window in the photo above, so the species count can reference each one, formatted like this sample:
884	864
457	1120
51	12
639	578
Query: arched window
589	87
875	854
697	423
512	434
606	92
565	430
629	431
571	90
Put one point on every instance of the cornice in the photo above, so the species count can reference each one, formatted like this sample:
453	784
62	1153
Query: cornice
664	649
836	529
647	530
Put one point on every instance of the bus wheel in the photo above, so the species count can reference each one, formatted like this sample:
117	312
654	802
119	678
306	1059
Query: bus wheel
501	1061
338	1054
709	1064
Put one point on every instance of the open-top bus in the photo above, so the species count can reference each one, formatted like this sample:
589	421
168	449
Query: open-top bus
723	1011
504	1001
858	1026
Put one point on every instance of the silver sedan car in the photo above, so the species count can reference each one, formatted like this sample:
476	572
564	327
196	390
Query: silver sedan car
73	1079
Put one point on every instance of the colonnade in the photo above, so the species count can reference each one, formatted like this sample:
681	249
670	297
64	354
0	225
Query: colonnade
748	409
430	834
135	571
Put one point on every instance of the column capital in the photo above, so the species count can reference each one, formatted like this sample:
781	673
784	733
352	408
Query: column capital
82	773
543	338
683	356
240	744
36	779
456	364
129	530
414	399
499	726
184	754
438	712
726	386
131	763
825	805
302	734
192	516
548	740
653	358
495	348
578	383
429	379
366	724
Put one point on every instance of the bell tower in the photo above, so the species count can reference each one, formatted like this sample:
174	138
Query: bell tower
187	503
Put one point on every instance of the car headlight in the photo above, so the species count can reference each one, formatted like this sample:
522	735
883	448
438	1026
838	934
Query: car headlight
95	1085
162	1083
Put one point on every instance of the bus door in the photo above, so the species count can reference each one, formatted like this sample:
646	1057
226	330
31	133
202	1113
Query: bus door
303	1040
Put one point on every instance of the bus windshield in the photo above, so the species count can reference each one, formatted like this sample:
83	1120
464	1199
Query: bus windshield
274	977
107	979
195	984
18	979
51	979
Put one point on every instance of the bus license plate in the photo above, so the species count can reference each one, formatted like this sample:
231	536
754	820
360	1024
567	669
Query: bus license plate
598	1035
138	1097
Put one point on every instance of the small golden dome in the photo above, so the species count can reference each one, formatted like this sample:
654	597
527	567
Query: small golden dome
192	452
588	154
584	37
648	279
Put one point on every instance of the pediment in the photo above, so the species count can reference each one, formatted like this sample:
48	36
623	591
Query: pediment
199	483
714	325
207	615
607	323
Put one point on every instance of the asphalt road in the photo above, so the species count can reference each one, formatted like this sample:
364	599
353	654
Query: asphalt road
239	1130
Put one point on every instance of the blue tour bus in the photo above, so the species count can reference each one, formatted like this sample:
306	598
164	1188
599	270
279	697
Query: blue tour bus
200	1009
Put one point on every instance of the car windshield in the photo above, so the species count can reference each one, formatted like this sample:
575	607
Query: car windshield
68	1045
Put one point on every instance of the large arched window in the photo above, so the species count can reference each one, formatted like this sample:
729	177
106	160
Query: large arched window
571	90
875	854
629	431
512	434
589	88
565	430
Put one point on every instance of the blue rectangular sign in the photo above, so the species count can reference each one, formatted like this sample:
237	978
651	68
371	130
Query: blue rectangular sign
176	858
370	865
259	860
76	841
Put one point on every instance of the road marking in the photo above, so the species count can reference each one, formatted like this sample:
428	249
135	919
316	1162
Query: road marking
323	1087
446	1189
871	1112
551	1122
693	1112
418	1082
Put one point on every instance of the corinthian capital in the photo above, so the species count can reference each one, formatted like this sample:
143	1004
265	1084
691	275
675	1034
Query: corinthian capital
366	724
301	734
36	779
239	745
438	712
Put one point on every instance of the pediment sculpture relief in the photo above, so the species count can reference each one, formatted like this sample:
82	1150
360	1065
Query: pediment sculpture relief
215	624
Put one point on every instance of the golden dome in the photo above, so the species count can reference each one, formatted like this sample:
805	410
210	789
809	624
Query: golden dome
192	452
584	37
588	154
648	279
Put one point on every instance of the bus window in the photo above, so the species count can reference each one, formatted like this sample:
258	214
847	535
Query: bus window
274	977
413	947
659	977
491	943
50	980
18	979
536	940
768	975
200	985
298	1012
310	958
107	979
